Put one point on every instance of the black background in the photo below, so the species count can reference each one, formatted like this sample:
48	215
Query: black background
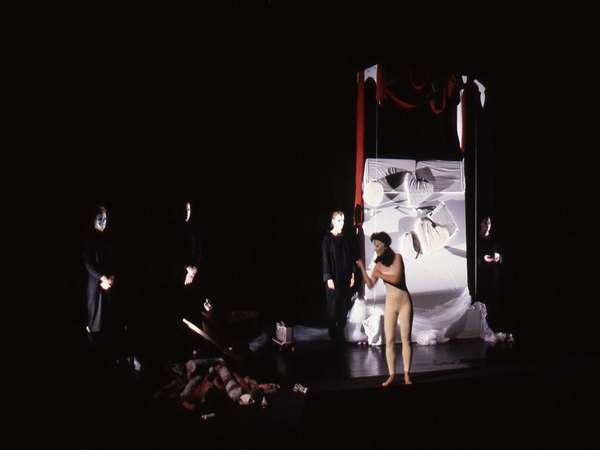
255	122
139	113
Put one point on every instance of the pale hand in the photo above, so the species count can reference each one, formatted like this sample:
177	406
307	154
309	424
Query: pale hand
352	281
330	284
191	273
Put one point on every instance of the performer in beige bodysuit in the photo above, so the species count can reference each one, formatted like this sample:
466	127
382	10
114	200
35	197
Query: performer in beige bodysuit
389	266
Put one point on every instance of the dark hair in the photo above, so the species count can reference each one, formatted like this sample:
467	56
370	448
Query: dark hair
388	255
99	209
382	237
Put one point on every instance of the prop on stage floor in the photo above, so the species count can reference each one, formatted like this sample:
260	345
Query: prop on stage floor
284	336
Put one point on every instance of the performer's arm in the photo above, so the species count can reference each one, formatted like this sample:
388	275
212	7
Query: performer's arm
196	259
190	274
92	268
198	250
369	281
89	264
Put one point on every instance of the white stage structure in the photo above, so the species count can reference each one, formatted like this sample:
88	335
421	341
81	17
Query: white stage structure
421	205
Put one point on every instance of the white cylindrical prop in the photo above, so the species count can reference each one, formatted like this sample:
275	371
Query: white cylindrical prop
373	194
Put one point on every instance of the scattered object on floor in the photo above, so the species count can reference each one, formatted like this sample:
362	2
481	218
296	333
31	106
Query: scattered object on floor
283	333
300	388
198	381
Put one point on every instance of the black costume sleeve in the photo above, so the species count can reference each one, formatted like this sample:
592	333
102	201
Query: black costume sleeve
196	249
327	269
88	261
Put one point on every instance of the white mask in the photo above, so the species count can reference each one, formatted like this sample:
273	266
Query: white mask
338	224
100	221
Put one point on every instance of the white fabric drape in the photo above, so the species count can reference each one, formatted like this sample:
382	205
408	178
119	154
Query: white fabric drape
423	210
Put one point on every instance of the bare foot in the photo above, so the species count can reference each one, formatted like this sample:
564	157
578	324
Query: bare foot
387	382
407	379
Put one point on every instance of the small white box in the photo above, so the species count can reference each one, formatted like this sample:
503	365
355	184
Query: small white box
283	333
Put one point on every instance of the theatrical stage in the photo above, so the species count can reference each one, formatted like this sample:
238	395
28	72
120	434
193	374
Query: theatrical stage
466	394
425	171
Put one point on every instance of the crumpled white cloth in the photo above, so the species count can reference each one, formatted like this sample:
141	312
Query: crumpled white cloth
487	333
432	325
418	189
397	185
357	314
373	326
430	337
385	220
431	237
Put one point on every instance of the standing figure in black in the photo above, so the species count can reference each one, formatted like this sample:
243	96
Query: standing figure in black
338	275
489	289
103	322
189	273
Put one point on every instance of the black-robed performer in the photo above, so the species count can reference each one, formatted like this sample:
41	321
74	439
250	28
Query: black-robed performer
104	324
488	290
190	274
188	264
338	274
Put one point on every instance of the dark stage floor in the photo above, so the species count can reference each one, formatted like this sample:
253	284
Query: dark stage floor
467	394
319	363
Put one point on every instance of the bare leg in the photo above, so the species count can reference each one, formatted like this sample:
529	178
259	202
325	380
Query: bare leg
390	319
405	319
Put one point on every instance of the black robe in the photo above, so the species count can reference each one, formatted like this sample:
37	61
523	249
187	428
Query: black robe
338	265
489	285
187	251
98	261
337	259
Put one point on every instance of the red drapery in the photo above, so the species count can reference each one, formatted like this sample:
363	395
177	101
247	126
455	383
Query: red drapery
360	148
